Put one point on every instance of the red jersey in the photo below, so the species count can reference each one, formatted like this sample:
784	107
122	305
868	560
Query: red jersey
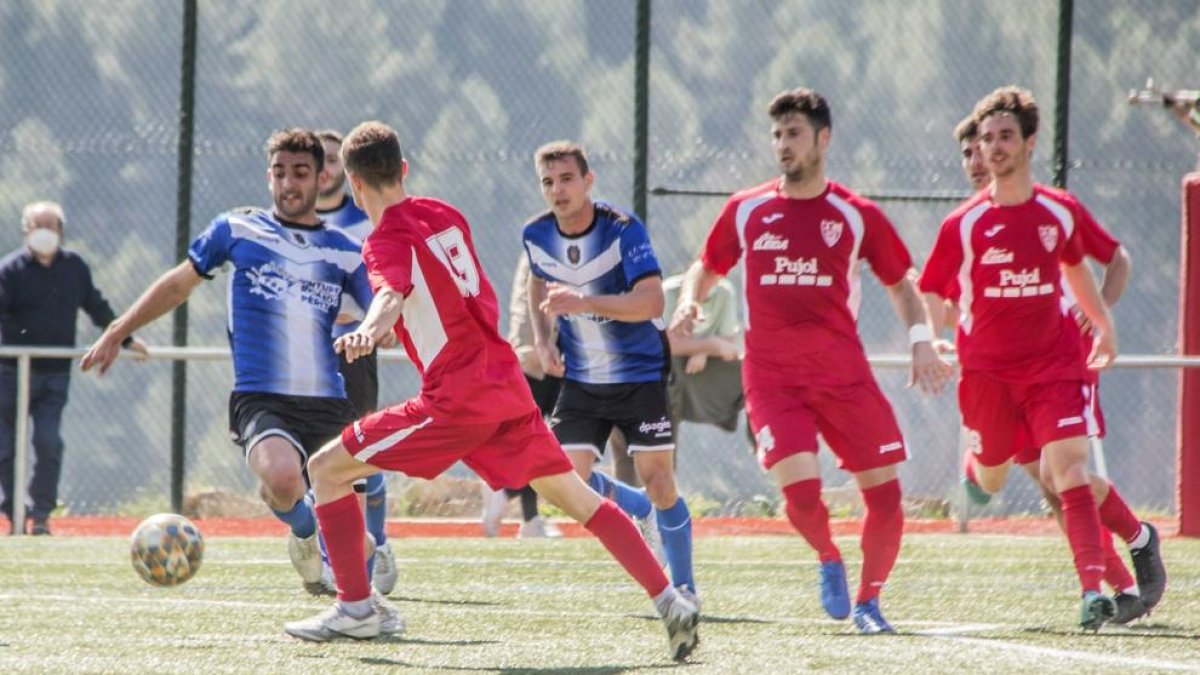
423	250
802	261
1003	264
1098	244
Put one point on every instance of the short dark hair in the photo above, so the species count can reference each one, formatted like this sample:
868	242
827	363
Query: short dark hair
555	151
299	141
966	130
332	135
804	101
1014	101
372	152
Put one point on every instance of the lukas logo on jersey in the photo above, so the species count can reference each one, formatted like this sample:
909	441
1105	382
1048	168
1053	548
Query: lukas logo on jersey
769	241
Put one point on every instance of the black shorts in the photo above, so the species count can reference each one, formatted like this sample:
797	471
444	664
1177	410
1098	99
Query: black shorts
545	392
309	422
586	413
361	379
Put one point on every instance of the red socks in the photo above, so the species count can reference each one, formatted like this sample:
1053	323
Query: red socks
1083	533
620	536
1116	516
342	526
1116	574
808	515
882	530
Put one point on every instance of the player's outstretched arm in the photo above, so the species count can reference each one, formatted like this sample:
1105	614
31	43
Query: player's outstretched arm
170	290
929	371
384	312
1104	344
698	282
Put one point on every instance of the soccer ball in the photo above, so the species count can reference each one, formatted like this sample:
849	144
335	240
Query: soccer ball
166	549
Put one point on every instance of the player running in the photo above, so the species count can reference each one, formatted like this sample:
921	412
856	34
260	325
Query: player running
1098	244
289	274
1023	378
802	240
473	405
594	272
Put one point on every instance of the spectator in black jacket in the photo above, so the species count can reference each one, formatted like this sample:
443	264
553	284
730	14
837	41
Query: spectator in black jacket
42	288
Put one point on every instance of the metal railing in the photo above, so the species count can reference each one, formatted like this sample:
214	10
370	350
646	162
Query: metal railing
25	355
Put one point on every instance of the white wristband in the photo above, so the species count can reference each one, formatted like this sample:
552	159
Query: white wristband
920	332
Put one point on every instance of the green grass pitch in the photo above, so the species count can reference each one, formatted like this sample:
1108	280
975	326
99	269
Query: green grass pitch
962	603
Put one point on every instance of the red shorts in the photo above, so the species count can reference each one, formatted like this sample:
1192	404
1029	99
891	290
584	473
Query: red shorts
406	438
1027	452
1004	418
856	421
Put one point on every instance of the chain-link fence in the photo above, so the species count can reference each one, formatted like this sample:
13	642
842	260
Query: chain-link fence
89	116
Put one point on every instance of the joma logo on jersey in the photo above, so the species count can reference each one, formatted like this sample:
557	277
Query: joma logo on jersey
996	256
769	241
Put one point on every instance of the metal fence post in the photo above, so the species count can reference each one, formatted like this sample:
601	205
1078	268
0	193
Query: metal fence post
641	109
183	219
21	445
1062	93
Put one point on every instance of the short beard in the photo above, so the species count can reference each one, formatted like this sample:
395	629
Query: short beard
305	208
334	187
805	171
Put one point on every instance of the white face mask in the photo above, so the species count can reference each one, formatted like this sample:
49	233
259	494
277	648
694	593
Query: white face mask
43	241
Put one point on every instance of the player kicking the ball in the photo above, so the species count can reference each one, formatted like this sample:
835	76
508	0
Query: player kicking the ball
473	405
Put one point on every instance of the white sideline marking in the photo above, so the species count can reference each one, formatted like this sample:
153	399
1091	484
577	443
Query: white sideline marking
951	632
955	633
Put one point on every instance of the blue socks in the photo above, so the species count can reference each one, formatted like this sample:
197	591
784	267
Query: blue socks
300	518
675	526
377	508
629	499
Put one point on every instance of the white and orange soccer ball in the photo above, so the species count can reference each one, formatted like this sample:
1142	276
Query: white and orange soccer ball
166	549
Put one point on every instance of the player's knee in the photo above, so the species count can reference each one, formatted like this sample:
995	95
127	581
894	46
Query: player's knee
991	479
323	465
662	492
1100	487
803	497
281	487
1050	495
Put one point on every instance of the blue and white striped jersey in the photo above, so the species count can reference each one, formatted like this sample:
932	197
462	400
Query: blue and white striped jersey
353	221
607	259
284	294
